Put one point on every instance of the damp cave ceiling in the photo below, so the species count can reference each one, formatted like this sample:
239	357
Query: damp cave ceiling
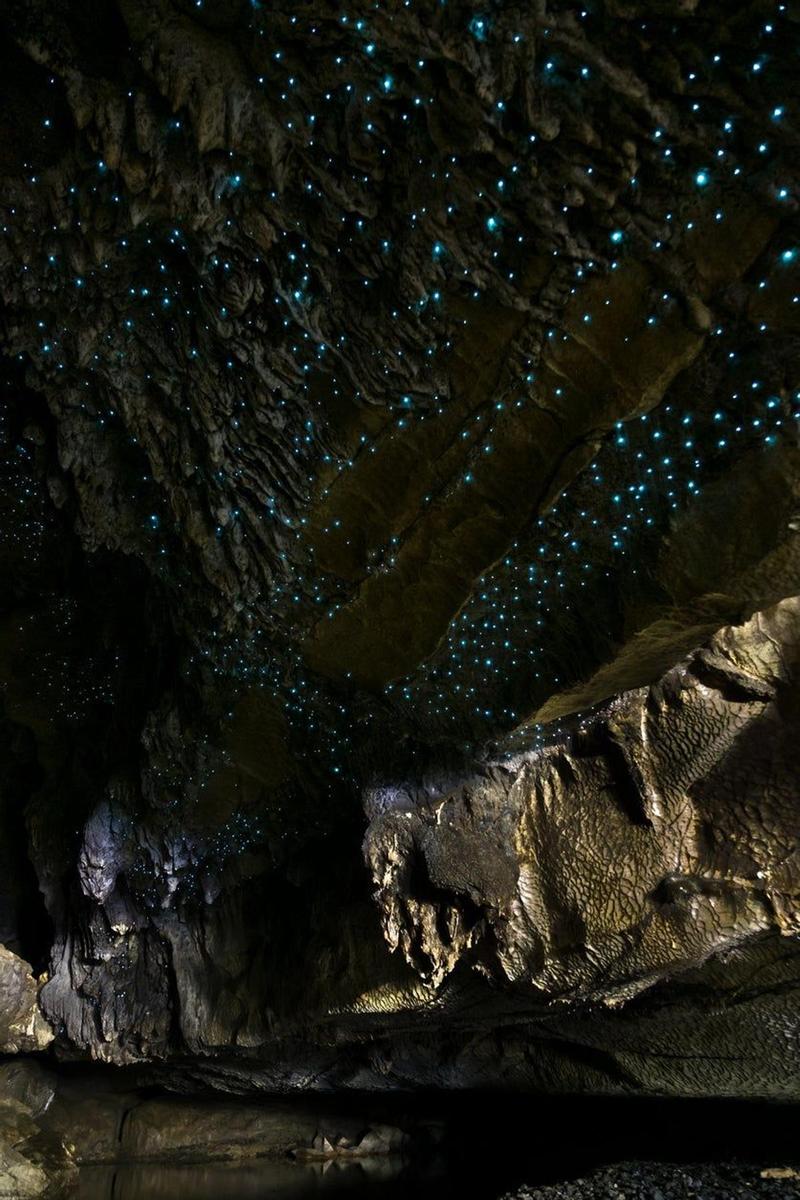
388	373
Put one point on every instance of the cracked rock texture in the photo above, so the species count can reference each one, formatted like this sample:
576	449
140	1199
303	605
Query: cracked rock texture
399	433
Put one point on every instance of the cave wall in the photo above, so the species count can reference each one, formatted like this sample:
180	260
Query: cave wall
603	914
399	428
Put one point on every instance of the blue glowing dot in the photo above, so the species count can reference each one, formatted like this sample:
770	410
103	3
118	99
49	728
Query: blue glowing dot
788	256
617	236
387	83
478	27
701	178
492	224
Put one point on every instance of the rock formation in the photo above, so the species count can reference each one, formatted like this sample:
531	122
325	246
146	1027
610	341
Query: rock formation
665	831
34	1161
400	544
22	1026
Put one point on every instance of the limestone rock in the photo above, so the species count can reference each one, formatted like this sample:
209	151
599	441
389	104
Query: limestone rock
664	830
29	1082
33	1165
375	1141
398	427
22	1025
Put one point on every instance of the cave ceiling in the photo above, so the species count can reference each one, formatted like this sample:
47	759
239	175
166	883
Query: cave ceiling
383	385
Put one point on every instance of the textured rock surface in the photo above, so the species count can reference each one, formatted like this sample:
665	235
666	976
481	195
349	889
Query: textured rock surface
33	1163
136	1129
662	833
382	388
105	1119
22	1026
665	831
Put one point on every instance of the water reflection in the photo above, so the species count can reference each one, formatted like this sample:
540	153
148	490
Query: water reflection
284	1180
489	1146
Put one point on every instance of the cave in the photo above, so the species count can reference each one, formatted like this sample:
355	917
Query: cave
399	599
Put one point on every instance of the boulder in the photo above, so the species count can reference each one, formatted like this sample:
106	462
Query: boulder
22	1025
34	1164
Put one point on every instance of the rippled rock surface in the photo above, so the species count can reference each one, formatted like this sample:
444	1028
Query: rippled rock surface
399	462
662	832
